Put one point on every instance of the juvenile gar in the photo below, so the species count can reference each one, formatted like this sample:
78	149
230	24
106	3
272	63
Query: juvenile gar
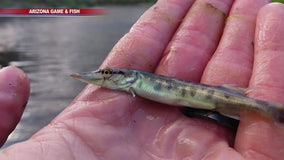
168	90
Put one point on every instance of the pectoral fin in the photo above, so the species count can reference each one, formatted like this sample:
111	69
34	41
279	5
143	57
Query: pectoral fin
132	92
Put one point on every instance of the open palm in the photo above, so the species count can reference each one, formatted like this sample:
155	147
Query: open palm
189	40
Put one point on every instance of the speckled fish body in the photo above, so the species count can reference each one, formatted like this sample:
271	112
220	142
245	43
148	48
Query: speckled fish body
175	92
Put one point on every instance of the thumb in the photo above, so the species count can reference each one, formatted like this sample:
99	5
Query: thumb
14	94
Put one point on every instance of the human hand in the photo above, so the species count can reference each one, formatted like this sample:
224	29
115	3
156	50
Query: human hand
106	124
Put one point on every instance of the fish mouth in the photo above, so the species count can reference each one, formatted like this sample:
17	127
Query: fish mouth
85	77
76	75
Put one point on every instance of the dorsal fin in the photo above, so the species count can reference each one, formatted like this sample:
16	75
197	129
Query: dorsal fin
236	89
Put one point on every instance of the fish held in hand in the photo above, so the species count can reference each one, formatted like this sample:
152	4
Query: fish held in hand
168	90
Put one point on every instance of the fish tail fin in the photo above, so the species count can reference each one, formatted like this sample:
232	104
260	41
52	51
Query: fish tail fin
276	111
279	115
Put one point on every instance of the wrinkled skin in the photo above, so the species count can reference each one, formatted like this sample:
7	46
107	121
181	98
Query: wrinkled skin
176	38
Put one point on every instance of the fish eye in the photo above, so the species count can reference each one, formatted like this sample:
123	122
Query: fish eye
107	72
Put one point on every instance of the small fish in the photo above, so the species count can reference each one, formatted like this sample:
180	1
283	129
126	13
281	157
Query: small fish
168	90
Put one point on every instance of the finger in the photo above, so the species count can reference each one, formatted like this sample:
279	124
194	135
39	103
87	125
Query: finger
259	138
196	39
269	56
143	45
186	56
232	61
14	93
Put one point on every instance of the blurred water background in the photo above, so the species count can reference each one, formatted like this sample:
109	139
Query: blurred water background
49	49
